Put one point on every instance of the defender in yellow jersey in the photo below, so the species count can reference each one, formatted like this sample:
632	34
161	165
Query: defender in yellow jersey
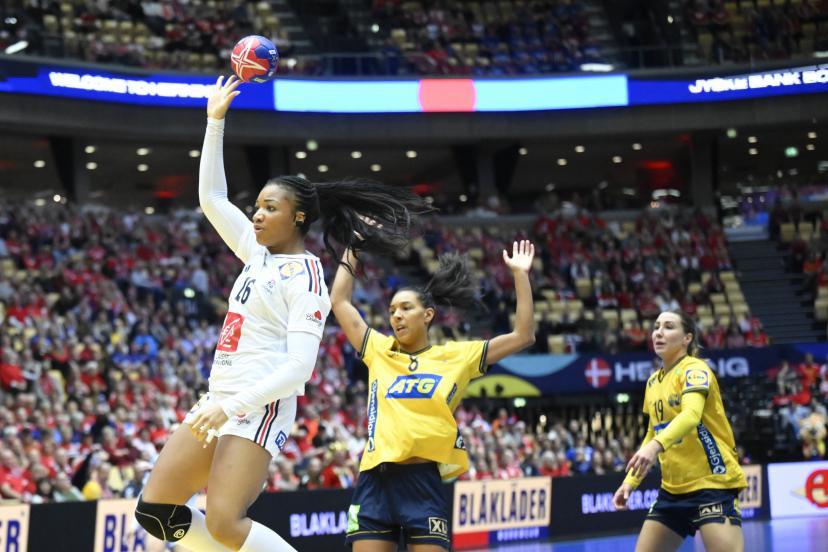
689	433
413	389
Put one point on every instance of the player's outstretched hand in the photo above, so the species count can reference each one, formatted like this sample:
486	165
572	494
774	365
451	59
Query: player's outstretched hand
522	254
222	96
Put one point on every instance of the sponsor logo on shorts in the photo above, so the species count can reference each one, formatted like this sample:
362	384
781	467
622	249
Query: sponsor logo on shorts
281	439
711	510
353	518
413	386
242	419
438	526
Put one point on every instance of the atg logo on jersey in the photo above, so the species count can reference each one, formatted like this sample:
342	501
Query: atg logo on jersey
291	269
413	386
696	378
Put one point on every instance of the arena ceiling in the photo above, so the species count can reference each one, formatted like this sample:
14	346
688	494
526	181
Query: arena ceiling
139	174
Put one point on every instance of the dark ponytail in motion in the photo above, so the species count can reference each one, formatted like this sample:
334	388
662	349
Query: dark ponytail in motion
362	214
451	286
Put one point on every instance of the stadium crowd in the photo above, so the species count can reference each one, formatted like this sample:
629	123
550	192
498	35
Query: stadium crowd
486	38
741	30
109	321
191	36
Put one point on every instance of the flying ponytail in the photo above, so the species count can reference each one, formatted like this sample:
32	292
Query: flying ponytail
362	214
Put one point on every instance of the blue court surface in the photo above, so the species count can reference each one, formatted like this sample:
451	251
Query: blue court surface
779	535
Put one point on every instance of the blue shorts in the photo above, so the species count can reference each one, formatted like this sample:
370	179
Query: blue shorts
685	513
400	499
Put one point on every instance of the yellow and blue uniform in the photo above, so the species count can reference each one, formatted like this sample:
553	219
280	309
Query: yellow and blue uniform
411	401
700	472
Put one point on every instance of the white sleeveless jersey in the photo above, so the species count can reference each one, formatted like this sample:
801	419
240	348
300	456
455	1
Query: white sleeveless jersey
274	294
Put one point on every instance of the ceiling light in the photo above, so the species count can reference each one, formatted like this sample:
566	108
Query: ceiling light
142	151
143	167
56	198
812	135
411	154
636	146
301	154
375	28
91	166
301	175
549	187
752	139
464	198
40	202
580	149
810	147
753	151
90	149
312	145
561	161
732	133
195	153
523	151
376	167
39	164
322	168
149	210
617	159
356	154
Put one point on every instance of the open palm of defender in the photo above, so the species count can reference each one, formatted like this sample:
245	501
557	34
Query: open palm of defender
523	252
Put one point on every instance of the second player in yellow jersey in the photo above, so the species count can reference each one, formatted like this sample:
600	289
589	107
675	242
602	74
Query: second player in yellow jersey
705	457
412	398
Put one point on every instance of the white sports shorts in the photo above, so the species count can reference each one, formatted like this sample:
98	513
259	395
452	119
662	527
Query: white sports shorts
268	427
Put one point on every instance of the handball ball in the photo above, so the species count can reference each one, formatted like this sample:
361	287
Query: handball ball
254	59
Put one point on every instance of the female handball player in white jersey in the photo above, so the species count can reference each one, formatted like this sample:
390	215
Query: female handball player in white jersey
413	390
268	344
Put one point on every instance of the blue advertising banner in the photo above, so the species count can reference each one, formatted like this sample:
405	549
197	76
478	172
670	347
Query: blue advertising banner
537	375
405	95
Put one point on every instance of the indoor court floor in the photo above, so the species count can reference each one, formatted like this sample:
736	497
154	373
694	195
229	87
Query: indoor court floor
779	535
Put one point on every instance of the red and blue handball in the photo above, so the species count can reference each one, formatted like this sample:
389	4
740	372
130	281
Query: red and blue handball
254	59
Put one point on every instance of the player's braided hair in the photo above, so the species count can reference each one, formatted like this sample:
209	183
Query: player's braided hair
688	325
450	286
362	214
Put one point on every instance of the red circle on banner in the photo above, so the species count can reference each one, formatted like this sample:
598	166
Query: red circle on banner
816	488
447	95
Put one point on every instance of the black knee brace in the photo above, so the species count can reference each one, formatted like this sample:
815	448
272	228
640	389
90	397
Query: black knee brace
168	522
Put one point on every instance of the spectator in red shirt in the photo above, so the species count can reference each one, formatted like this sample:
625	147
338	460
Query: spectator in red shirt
339	473
757	338
808	371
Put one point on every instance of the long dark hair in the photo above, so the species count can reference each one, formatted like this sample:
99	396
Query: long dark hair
688	325
450	286
362	214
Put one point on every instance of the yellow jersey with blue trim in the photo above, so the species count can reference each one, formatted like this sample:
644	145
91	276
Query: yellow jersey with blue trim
411	401
705	458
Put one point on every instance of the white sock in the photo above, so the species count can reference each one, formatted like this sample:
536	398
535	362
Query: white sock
262	539
198	538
